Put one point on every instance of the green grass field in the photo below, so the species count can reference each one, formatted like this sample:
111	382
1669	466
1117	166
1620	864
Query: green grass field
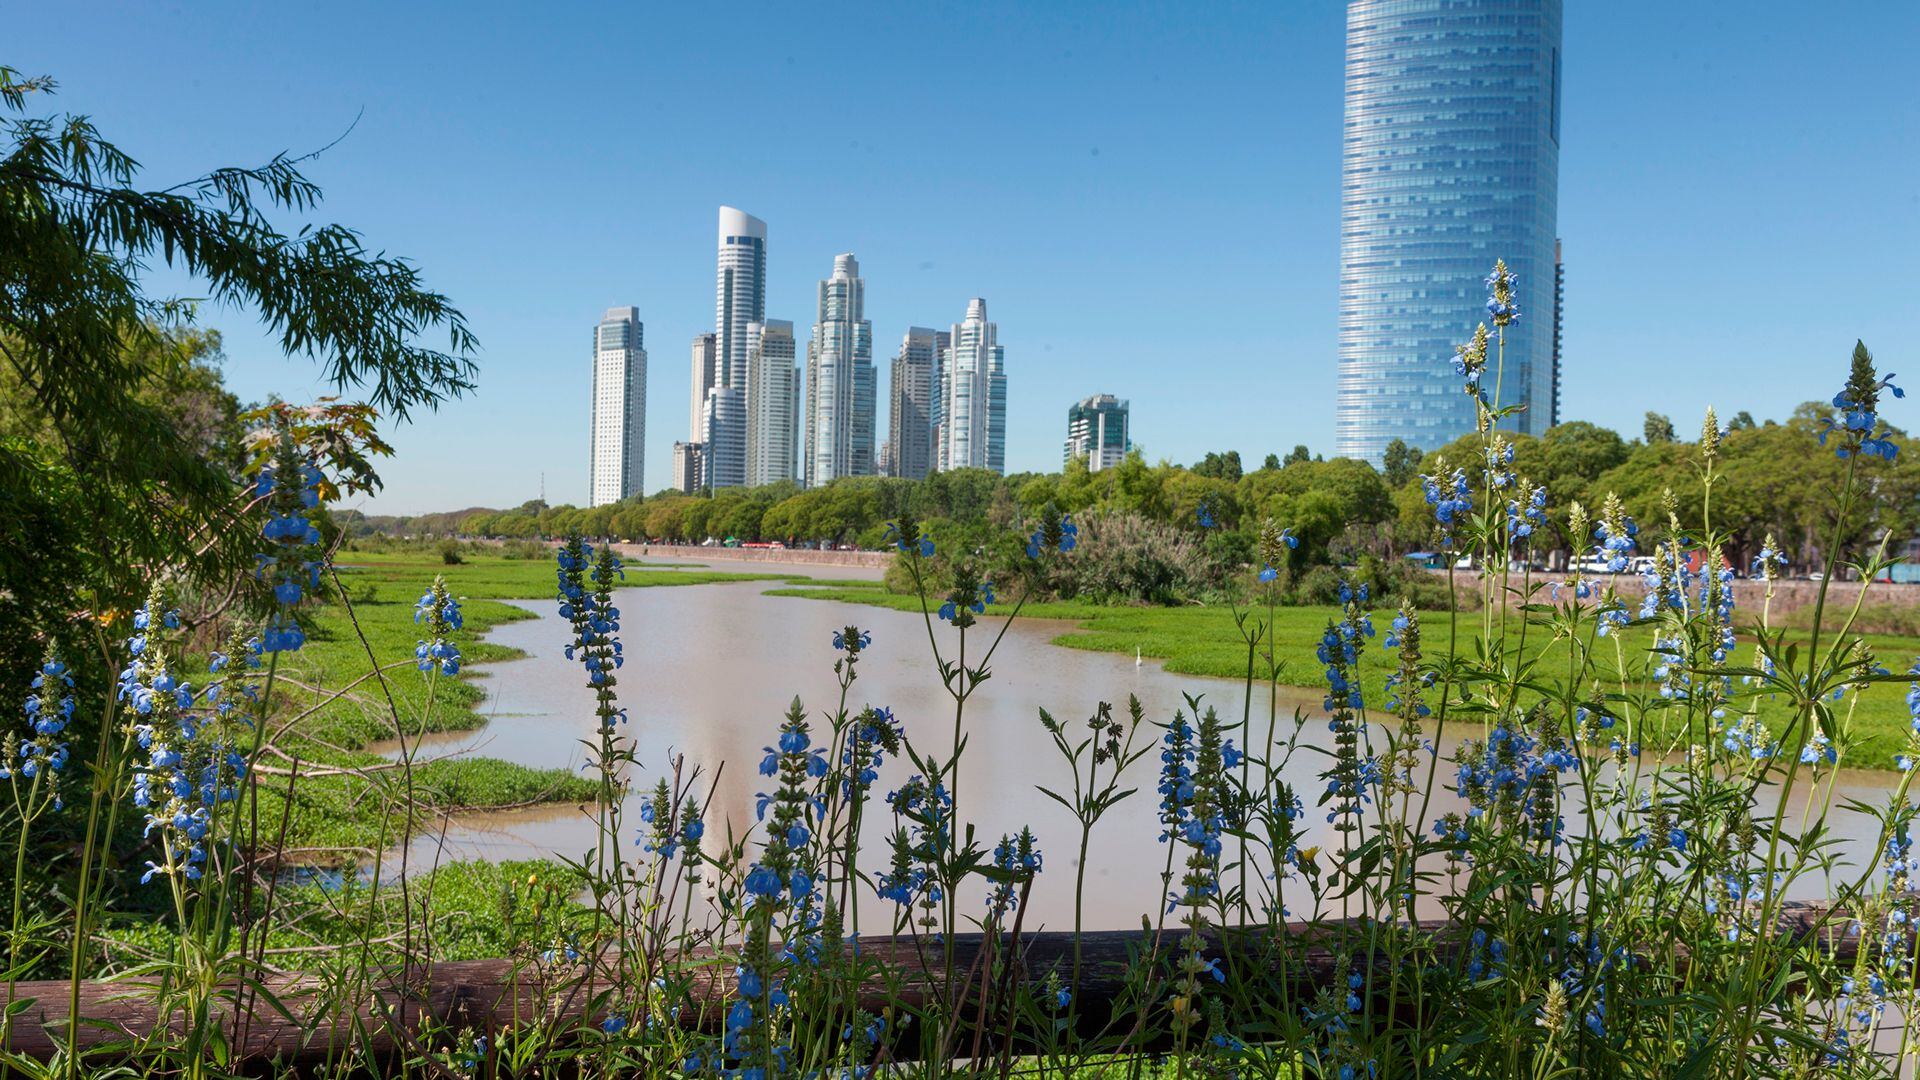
350	812
1208	641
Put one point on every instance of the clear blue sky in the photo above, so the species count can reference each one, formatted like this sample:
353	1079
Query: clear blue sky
1147	196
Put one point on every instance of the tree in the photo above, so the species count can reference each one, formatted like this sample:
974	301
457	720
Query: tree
1400	464
1297	455
125	491
1272	462
1742	421
1658	428
1220	466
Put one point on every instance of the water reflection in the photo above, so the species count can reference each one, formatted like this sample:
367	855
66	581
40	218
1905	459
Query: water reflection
710	670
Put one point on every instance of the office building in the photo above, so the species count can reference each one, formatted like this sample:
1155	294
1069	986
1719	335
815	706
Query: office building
1097	432
1450	160
740	299
617	448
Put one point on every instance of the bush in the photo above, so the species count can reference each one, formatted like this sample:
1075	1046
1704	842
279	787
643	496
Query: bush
450	552
1126	557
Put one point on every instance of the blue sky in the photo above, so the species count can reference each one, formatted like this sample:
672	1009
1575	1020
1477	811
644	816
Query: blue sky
1147	195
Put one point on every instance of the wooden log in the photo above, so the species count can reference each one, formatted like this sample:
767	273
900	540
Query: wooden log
400	1006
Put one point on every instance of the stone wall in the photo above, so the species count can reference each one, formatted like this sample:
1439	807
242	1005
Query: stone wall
1749	595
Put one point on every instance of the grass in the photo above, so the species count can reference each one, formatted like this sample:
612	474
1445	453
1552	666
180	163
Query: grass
331	811
1208	641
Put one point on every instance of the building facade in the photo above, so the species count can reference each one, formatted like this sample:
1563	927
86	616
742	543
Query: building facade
723	458
704	346
840	380
740	299
910	419
972	421
688	457
1097	432
773	402
1450	160
617	448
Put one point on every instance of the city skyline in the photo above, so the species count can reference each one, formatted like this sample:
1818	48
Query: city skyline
1121	148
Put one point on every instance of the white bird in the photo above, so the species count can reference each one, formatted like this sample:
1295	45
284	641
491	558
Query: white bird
1136	656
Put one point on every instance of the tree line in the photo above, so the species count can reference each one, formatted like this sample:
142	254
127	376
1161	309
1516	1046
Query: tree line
1771	477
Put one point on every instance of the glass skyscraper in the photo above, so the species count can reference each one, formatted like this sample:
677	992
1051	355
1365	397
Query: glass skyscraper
1451	159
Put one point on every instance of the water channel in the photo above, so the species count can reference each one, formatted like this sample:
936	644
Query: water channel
710	669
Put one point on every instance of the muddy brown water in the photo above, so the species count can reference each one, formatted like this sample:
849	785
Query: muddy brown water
710	670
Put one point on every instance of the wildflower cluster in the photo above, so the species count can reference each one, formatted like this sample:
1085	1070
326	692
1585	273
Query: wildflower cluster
1450	497
1470	361
1275	543
41	753
194	763
290	489
1016	859
1055	533
1858	426
586	578
1502	308
1353	773
440	613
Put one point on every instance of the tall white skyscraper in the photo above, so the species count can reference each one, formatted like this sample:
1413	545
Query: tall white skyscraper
973	395
740	291
773	402
619	425
911	403
740	298
703	367
840	380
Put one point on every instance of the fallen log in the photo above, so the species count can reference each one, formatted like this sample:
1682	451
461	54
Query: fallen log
301	1018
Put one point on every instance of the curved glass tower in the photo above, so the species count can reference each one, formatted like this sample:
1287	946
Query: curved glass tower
1450	160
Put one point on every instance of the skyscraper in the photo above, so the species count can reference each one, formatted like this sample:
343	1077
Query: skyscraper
740	291
619	426
740	298
723	460
1097	432
840	380
910	411
704	346
973	392
1559	317
1451	160
773	402
688	458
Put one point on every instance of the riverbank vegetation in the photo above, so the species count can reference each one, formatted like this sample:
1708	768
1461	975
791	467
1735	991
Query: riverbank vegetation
1145	541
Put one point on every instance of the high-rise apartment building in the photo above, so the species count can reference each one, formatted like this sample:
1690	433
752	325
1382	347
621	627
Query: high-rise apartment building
1450	160
840	380
688	458
617	449
773	402
704	347
911	404
723	461
973	395
740	291
1097	432
740	299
